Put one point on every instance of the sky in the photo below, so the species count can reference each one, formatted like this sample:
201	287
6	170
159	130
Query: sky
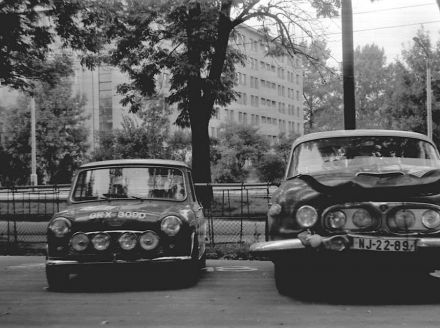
391	24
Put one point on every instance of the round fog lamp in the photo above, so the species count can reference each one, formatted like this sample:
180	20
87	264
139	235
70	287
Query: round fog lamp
362	218
128	241
101	241
306	216
79	241
336	219
404	219
171	225
149	240
431	219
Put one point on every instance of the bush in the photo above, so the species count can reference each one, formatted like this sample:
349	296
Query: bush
271	168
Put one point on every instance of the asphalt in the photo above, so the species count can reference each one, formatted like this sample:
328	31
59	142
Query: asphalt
228	294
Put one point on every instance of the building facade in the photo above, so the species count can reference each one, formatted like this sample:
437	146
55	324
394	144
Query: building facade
270	90
270	93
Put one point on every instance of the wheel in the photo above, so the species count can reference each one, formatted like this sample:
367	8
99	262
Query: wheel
57	278
290	280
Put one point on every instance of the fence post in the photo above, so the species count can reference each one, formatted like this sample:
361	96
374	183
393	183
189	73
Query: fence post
241	212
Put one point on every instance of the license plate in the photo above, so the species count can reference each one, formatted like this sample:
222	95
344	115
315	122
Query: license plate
384	244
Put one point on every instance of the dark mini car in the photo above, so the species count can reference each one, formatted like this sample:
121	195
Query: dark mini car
127	213
355	201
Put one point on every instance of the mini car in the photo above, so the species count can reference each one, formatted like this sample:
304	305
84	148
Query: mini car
127	212
355	201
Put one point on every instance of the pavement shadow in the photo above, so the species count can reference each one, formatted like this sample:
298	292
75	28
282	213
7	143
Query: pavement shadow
123	280
371	289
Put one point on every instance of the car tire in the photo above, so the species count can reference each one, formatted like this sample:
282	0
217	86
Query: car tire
57	278
284	278
290	280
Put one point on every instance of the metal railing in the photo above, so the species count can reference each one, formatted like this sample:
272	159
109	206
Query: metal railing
236	214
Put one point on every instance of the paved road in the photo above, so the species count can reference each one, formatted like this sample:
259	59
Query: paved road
229	294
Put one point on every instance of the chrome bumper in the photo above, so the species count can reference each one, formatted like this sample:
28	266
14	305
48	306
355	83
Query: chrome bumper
165	259
280	246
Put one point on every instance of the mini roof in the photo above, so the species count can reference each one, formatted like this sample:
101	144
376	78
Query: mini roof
137	161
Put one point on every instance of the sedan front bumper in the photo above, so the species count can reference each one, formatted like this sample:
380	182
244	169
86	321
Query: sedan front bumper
336	243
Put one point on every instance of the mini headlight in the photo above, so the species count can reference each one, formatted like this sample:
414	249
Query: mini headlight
101	241
404	219
128	241
362	219
431	219
79	241
149	240
60	227
171	225
306	216
336	220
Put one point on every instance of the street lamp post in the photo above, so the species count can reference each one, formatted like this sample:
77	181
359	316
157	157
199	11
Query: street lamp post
428	88
34	180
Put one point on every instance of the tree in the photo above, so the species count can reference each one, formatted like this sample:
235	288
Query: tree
191	40
240	147
61	133
271	168
406	89
28	28
141	137
371	79
319	83
179	145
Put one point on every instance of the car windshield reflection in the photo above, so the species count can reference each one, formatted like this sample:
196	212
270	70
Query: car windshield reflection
131	183
366	153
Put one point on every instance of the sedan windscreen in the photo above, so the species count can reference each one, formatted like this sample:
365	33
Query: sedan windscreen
130	182
363	153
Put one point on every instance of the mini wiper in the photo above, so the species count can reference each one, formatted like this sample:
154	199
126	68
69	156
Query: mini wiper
137	197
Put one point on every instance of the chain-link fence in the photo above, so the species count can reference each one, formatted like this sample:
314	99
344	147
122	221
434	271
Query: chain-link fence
237	214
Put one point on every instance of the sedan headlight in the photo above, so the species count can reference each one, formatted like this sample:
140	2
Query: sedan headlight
404	219
60	227
171	225
149	240
431	219
79	242
306	216
362	219
336	220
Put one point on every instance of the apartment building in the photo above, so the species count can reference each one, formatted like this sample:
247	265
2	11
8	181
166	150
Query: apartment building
270	90
270	93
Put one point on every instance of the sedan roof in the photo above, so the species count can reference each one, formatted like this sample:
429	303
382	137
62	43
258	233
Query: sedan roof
359	133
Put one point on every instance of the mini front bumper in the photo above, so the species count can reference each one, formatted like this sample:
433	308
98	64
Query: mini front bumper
336	243
74	264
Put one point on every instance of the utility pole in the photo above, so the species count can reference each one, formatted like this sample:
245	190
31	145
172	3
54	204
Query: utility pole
348	65
34	180
428	88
